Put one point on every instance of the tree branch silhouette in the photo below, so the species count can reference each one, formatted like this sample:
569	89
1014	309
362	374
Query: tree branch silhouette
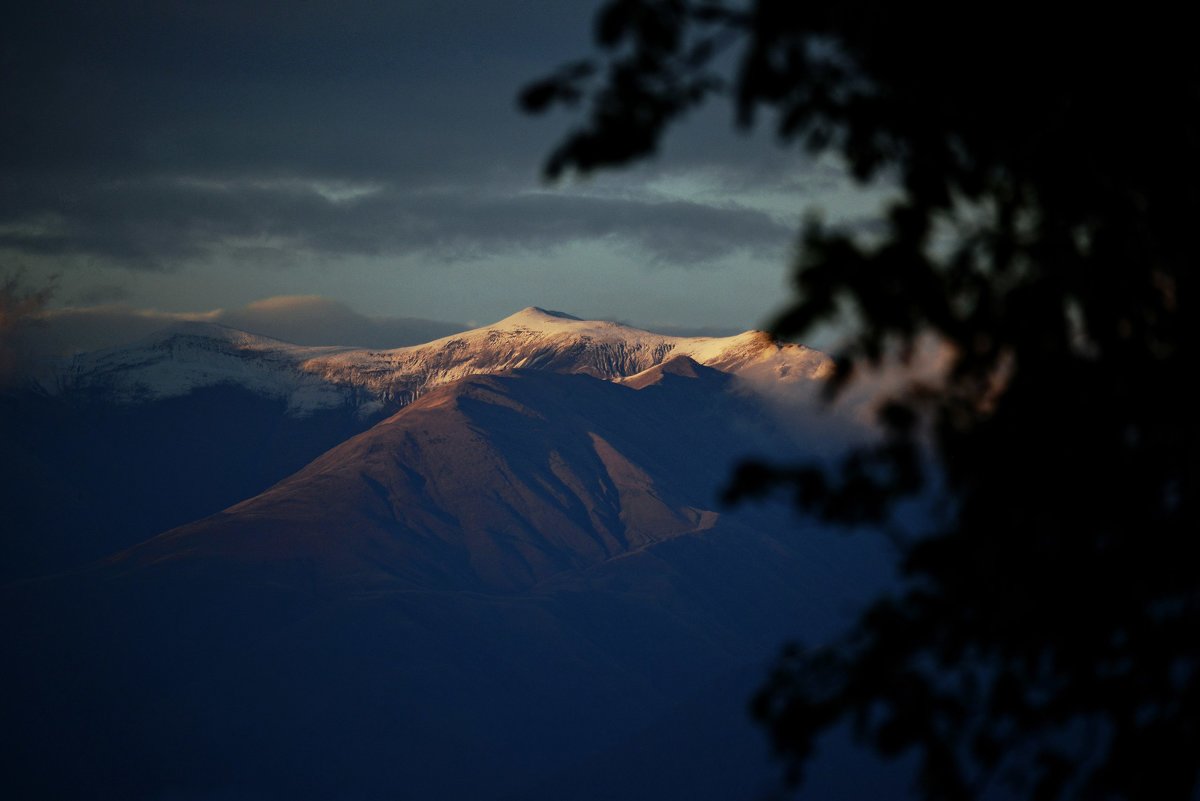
1049	636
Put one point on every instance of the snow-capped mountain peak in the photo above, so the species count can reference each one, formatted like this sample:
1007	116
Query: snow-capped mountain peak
189	356
536	315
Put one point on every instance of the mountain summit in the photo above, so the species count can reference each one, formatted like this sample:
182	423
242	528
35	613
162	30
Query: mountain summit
536	312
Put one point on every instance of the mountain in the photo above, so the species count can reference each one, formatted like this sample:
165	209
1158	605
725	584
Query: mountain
497	483
189	356
106	450
507	578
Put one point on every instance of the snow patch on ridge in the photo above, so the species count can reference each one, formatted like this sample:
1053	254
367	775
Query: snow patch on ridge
192	355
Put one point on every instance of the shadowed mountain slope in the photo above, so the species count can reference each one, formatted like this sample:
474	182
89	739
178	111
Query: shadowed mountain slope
493	483
503	579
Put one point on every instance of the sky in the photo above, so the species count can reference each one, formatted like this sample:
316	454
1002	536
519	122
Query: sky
368	160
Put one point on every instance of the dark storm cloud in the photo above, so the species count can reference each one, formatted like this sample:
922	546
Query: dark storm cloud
154	222
99	294
348	88
146	135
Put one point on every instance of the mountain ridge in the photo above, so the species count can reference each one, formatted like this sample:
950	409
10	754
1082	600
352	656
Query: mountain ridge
188	356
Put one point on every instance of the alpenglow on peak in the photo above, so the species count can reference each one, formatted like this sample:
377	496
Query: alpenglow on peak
313	378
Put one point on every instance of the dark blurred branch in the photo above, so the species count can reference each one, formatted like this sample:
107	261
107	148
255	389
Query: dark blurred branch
1048	168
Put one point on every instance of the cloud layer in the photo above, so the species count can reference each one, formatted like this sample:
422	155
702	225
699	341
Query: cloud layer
158	223
149	140
301	319
143	134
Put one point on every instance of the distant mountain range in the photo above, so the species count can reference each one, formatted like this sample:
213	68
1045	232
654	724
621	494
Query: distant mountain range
193	355
472	569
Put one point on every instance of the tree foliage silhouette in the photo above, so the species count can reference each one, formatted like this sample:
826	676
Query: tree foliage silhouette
1048	637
